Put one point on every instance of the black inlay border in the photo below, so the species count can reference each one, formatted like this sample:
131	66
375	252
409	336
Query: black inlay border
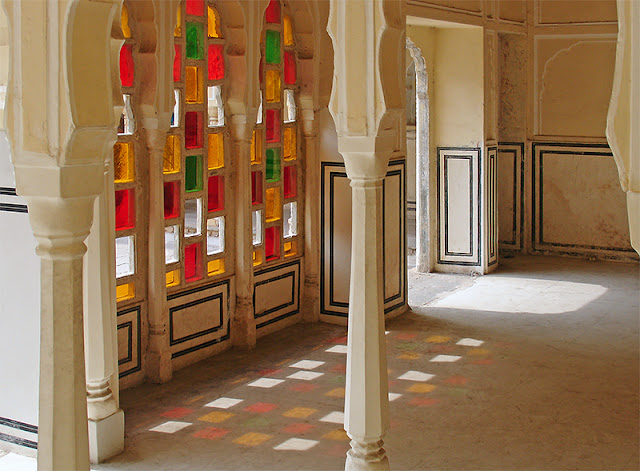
295	275
537	207
129	326
209	343
11	207
215	297
477	209
22	426
515	243
492	197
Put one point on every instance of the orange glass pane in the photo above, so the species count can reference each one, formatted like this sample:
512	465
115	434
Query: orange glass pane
273	86
290	248
216	151
289	143
177	32
257	258
124	22
273	208
193	85
171	155
123	163
287	31
215	267
256	148
126	291
213	23
173	278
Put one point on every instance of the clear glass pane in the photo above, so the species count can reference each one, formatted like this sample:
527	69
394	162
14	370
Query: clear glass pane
216	108
215	235
175	117
125	256
259	115
290	223
193	217
171	244
289	106
127	121
256	223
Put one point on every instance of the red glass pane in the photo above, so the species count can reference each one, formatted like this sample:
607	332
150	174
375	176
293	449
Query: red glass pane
192	262
256	187
272	15
177	63
289	68
272	124
272	243
171	200
216	193
216	62
290	181
193	129
126	66
125	209
195	7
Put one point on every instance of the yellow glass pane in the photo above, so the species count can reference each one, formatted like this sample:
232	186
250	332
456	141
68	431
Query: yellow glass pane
273	86
216	151
177	32
256	148
257	258
290	248
273	208
215	267
124	22
126	291
289	143
287	31
214	23
171	155
123	163
193	85
173	278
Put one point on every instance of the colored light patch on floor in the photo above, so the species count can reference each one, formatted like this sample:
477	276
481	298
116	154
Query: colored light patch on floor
340	379
467	342
300	412
307	364
336	417
298	428
456	380
484	361
457	391
339	451
416	376
438	339
261	407
341	368
336	392
440	348
265	383
269	372
479	352
211	433
406	346
256	422
170	427
337	349
224	403
408	356
445	358
296	444
305	375
177	413
302	387
338	434
406	336
252	439
421	388
216	417
421	402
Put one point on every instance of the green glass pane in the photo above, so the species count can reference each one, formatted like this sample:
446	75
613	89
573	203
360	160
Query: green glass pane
195	41
273	165
272	48
193	173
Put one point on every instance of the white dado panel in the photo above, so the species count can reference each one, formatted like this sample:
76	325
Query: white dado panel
578	206
276	293
491	183
336	239
198	318
510	195
459	206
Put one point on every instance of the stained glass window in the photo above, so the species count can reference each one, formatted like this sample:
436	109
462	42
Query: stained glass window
195	167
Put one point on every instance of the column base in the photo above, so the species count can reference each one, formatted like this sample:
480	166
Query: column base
366	457
106	437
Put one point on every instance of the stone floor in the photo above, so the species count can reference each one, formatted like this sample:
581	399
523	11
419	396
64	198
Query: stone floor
533	367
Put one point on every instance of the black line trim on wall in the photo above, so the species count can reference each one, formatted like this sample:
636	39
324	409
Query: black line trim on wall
492	169
210	330
290	274
18	441
138	365
291	302
332	178
516	244
8	191
537	208
13	208
18	425
447	158
22	426
129	327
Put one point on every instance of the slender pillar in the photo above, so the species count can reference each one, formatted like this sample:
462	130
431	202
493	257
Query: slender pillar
243	326
159	368
366	398
106	419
